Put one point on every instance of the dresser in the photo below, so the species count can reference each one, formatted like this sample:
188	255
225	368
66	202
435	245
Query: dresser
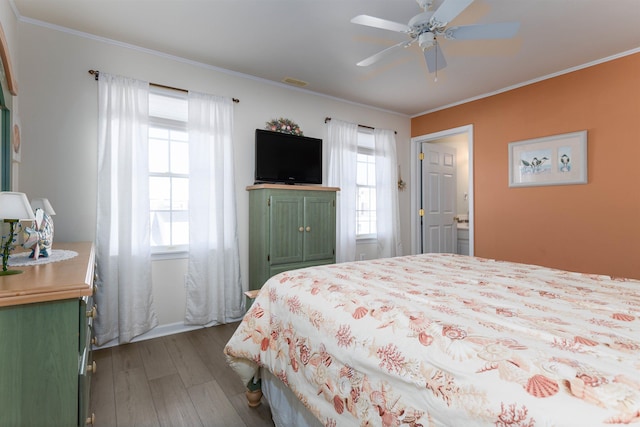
46	318
290	226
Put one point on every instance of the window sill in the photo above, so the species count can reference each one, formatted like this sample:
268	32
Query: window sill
368	239
166	254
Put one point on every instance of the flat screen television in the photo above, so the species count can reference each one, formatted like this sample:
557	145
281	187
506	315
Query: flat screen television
289	159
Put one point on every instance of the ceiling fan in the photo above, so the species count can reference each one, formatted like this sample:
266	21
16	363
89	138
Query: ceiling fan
429	26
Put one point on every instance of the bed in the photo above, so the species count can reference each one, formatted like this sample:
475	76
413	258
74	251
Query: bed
444	340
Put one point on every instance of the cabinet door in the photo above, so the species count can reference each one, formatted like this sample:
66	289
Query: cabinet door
286	225
43	364
320	227
10	372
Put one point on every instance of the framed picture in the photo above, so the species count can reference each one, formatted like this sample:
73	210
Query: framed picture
15	143
552	160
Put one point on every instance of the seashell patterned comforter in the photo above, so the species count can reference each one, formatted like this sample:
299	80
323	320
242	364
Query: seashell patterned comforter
448	340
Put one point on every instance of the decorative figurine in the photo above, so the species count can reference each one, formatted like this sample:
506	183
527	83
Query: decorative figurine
40	237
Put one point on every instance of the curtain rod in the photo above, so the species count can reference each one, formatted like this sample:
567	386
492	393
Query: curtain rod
328	119
96	73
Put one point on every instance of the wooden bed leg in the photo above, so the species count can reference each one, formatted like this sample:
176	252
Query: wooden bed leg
254	393
253	397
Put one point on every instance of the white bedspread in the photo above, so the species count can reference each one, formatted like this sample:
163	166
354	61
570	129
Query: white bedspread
441	339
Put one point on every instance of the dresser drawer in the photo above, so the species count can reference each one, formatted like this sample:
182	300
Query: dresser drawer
87	312
86	366
87	369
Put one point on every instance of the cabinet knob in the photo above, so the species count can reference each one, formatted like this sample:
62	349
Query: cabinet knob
91	420
92	368
93	313
94	341
308	228
301	229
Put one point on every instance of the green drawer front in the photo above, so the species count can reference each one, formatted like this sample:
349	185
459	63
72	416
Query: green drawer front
86	314
84	383
39	364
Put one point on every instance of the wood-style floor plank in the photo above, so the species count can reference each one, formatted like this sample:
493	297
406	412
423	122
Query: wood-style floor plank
103	402
222	333
252	417
210	351
213	406
134	404
190	366
178	380
172	402
126	356
155	358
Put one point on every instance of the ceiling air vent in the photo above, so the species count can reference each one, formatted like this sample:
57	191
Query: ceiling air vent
294	82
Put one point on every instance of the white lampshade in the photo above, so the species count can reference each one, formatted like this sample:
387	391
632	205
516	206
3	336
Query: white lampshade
15	206
42	203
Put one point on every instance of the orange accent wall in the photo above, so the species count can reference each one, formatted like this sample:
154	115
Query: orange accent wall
593	228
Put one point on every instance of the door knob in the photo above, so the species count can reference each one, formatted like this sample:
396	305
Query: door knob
92	314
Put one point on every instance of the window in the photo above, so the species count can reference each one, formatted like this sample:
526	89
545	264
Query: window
366	186
168	170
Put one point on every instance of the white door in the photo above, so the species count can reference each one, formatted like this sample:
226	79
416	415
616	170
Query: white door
439	233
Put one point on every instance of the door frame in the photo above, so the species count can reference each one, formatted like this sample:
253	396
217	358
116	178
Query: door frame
417	188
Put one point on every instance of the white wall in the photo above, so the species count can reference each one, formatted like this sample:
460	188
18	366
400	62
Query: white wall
58	103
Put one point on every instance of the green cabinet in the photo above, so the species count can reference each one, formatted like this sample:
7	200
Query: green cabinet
290	227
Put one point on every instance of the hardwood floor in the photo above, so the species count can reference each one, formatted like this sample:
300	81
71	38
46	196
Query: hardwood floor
173	381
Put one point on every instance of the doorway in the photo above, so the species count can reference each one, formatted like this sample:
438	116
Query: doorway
462	139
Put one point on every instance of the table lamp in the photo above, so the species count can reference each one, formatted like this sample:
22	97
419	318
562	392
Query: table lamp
42	203
14	207
40	237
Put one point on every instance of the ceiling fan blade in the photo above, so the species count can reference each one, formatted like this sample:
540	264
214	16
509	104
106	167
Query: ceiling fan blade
375	58
501	30
448	11
435	58
372	21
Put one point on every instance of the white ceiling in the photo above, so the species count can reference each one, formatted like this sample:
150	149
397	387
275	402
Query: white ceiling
313	41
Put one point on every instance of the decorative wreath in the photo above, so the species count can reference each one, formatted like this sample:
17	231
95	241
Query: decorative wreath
284	126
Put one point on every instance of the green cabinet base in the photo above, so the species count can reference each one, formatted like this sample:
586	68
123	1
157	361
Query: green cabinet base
289	228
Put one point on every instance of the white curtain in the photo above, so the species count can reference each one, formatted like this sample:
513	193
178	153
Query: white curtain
124	296
214	285
387	211
342	147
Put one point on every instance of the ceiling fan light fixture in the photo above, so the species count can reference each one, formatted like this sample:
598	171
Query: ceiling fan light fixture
426	40
424	4
430	26
294	82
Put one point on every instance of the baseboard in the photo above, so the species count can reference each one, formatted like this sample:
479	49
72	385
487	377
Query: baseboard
160	331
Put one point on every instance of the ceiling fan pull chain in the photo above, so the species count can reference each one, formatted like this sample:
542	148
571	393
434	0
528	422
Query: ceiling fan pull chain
435	79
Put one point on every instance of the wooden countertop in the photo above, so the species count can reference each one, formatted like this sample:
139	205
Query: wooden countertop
291	187
71	278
